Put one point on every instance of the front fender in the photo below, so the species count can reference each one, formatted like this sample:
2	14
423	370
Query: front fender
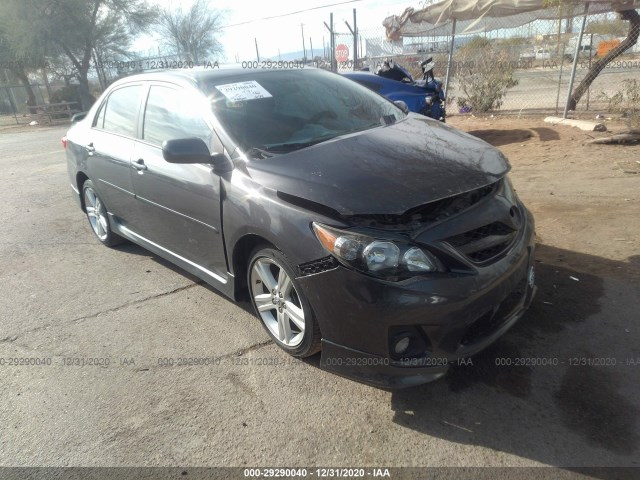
251	209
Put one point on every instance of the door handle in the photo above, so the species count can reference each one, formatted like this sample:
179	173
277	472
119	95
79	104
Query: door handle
90	149
139	165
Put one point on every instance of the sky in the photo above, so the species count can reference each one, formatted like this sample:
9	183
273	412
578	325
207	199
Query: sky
285	33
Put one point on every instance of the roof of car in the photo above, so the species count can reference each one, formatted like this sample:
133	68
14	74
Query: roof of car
200	75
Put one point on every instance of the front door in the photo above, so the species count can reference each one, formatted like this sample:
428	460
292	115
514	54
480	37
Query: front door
177	206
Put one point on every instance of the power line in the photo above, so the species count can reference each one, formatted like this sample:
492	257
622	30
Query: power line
291	13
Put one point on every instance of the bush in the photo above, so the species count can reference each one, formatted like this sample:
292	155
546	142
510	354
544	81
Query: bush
68	93
626	101
484	75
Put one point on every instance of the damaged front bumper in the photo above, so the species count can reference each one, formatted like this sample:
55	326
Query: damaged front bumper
450	317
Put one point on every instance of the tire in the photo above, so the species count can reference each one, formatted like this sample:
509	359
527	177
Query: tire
97	215
280	304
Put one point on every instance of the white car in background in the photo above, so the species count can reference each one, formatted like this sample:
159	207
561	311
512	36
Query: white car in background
542	54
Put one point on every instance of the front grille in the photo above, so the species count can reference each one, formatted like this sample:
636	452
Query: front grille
317	266
447	207
429	212
484	243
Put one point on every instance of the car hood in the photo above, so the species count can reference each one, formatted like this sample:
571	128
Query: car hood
386	170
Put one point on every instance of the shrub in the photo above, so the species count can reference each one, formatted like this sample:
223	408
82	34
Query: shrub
626	101
68	93
484	75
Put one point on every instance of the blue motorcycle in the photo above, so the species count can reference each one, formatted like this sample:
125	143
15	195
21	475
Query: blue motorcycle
425	96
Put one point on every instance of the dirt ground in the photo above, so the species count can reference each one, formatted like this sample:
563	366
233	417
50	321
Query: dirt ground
584	197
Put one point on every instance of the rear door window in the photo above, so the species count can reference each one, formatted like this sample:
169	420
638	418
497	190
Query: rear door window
99	120
121	112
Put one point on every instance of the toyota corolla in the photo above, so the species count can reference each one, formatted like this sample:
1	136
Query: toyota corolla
392	243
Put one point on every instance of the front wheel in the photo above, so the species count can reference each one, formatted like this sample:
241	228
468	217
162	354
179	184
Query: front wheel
98	217
280	304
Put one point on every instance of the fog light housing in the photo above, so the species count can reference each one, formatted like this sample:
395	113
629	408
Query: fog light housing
401	345
407	342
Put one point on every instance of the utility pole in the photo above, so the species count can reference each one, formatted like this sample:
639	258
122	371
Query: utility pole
311	46
355	41
332	46
304	48
257	53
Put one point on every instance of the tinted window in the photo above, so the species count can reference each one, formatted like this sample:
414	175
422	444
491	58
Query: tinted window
122	110
281	111
169	115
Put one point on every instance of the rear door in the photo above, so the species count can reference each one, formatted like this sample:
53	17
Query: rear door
111	144
178	206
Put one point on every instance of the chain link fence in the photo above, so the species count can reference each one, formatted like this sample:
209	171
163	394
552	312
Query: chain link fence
539	55
14	109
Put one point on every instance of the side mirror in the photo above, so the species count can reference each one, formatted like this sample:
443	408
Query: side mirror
193	150
401	105
78	116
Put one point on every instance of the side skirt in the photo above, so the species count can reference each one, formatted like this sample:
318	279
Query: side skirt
222	284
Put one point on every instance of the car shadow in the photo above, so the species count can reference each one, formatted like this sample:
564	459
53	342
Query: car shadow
546	391
546	134
133	249
498	138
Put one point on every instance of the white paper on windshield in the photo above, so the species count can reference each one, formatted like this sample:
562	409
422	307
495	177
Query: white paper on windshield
238	92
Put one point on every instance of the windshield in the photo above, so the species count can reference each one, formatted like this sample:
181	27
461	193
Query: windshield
272	112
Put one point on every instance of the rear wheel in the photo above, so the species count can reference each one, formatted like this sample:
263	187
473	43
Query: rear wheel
280	304
98	217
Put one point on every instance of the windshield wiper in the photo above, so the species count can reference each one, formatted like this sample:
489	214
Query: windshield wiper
388	119
291	146
260	153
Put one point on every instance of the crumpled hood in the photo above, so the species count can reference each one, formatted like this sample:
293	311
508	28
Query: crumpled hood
386	170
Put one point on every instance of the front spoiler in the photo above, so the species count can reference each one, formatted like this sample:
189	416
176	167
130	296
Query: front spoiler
382	372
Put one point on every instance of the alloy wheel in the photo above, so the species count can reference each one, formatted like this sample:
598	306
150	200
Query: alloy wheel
277	302
96	213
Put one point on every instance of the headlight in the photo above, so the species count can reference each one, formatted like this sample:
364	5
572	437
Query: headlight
376	256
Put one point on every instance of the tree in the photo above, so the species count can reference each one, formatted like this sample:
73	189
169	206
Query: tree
631	39
18	65
192	34
616	28
75	28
